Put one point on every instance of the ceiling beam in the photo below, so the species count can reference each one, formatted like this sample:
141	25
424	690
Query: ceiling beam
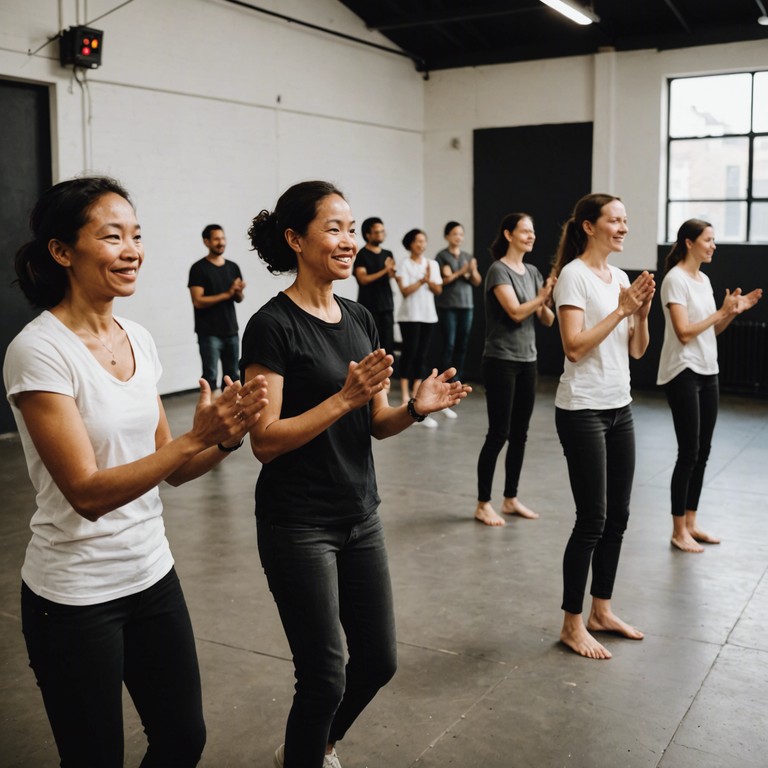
448	18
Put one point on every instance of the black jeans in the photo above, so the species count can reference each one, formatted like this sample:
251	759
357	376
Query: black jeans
599	448
321	577
510	391
385	322
82	654
416	338
693	399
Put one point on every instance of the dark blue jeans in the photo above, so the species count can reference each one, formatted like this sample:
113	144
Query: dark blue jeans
81	655
324	579
215	348
694	400
599	447
455	325
510	392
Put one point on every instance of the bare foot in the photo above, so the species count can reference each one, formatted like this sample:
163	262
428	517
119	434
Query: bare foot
705	538
516	507
576	637
608	621
686	543
486	514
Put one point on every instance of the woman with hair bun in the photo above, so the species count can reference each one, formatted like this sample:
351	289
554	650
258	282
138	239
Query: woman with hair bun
515	294
101	603
603	320
688	369
319	533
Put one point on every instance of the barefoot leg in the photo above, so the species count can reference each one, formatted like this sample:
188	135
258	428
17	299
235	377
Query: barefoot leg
681	536
514	506
696	533
575	635
603	619
486	514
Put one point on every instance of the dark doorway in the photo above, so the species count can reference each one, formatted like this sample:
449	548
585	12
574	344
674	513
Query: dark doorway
25	171
539	169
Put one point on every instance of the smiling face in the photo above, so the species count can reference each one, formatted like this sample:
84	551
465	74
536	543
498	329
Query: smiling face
328	248
608	232
522	237
455	237
105	260
418	246
703	247
216	243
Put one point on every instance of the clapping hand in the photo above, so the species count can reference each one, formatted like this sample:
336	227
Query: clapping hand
439	392
366	378
636	299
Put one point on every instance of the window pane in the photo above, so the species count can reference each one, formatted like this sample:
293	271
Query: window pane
758	230
760	167
708	168
710	106
761	102
729	220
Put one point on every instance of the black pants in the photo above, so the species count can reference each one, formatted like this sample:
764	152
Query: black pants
385	323
510	392
82	654
416	338
694	400
599	448
324	579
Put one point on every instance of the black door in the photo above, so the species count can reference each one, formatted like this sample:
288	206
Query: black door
25	171
538	169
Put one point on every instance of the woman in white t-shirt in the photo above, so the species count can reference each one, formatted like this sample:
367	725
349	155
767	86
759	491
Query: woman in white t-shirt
688	369
101	604
603	319
419	281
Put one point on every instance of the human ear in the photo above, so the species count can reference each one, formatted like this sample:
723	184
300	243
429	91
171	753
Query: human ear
293	238
60	253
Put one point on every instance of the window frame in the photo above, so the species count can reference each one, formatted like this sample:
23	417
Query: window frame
749	199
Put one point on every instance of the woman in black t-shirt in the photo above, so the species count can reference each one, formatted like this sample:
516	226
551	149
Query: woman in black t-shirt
320	537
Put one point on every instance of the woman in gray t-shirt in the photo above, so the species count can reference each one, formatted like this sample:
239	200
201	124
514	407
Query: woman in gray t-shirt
515	292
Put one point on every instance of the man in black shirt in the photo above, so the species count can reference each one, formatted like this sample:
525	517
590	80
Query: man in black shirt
215	284
374	266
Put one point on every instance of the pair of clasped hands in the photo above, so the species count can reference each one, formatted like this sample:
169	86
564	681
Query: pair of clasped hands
636	298
227	419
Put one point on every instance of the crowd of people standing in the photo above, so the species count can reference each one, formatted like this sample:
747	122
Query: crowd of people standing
101	602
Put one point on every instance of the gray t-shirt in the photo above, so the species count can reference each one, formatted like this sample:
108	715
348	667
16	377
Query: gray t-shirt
504	338
458	294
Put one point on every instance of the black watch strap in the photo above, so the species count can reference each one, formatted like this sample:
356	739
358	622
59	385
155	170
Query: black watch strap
412	412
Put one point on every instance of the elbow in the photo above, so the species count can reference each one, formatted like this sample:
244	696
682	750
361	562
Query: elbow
262	454
573	355
87	509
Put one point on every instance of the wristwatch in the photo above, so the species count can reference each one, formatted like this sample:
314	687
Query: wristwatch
412	411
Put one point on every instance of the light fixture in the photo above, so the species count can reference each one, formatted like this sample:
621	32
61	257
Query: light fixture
762	20
572	11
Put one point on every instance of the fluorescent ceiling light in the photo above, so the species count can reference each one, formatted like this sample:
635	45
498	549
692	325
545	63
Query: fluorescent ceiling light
572	11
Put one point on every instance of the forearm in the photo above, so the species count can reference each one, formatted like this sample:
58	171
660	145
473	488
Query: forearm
523	311
366	278
546	315
579	345
639	337
203	302
284	435
389	421
197	466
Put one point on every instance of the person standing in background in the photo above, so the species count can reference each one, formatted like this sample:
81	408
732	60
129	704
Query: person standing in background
455	305
374	266
215	284
688	369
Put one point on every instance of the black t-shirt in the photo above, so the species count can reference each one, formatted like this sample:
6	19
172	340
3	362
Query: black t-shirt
330	479
376	296
220	319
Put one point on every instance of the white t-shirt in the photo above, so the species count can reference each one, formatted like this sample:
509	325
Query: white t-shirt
700	353
419	307
600	380
69	559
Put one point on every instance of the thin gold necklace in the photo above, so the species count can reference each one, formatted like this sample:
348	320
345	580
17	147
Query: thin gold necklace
103	344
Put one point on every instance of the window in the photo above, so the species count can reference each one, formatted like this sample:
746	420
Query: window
717	158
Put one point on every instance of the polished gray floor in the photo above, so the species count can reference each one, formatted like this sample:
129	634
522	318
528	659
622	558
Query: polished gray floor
482	679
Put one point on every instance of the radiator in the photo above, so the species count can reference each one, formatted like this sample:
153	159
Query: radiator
743	356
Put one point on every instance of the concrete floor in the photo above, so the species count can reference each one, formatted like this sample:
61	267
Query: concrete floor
482	679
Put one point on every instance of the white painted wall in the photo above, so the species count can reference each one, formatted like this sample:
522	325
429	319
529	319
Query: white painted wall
206	112
624	94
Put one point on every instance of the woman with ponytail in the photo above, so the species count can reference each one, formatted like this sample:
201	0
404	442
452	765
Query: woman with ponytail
515	294
688	369
319	533
603	320
101	604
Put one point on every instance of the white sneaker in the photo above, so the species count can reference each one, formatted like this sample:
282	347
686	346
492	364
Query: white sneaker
332	760
428	422
449	414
